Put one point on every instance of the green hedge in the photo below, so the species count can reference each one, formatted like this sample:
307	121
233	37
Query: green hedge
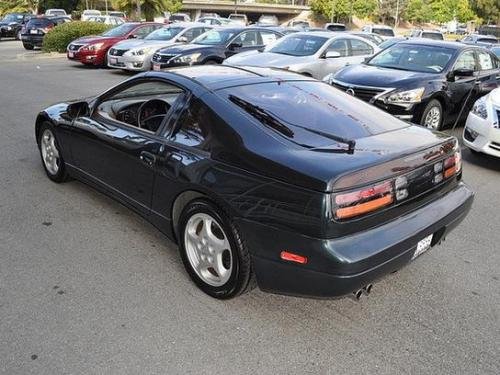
57	39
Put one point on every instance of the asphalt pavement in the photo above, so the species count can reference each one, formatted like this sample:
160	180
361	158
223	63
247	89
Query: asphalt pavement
89	287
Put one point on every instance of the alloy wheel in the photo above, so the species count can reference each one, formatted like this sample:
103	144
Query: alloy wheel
208	249
50	153
433	118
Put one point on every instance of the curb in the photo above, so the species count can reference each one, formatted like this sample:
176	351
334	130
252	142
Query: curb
39	55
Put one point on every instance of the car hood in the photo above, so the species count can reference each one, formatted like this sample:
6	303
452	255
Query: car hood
188	48
135	43
366	75
95	39
495	97
265	59
3	23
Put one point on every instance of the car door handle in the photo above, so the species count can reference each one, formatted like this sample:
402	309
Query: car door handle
147	158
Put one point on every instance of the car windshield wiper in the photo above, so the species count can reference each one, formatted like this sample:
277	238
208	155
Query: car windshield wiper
269	119
393	67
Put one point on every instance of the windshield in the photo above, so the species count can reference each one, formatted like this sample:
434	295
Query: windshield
487	40
121	30
416	58
435	36
165	33
13	18
57	12
384	32
214	37
91	13
298	45
309	113
117	14
496	51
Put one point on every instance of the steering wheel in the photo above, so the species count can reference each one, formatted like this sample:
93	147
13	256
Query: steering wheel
159	108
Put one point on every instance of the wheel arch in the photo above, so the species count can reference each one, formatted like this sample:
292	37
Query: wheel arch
187	196
40	119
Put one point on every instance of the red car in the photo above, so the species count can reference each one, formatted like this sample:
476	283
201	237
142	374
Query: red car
92	50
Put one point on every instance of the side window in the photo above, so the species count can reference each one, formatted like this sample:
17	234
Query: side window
143	105
247	39
143	31
195	125
359	48
466	61
365	29
341	46
485	60
193	33
268	37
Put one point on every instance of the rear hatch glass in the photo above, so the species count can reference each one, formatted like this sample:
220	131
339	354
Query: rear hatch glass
310	113
39	23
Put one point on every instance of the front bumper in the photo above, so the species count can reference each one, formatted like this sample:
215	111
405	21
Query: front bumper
411	112
337	267
86	57
133	63
480	135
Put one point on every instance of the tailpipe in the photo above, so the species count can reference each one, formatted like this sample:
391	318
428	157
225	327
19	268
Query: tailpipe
366	290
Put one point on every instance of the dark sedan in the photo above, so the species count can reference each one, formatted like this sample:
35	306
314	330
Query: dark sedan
262	174
36	28
214	46
426	82
12	23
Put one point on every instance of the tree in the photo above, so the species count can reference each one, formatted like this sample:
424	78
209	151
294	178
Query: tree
447	10
342	10
418	11
148	8
487	10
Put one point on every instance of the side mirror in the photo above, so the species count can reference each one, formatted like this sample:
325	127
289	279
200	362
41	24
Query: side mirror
366	59
332	54
133	36
182	39
234	46
464	72
78	109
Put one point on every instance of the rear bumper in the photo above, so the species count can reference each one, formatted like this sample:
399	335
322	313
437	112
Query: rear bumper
35	40
337	267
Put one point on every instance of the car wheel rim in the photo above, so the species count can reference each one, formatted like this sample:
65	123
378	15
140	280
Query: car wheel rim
433	118
50	153
208	249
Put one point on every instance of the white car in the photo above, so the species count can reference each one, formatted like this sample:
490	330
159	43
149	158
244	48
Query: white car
386	32
315	54
107	20
135	54
87	13
55	12
482	129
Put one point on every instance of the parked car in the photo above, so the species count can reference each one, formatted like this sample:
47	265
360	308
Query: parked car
238	18
36	28
55	12
12	23
429	34
214	46
265	175
107	20
179	17
267	20
482	129
495	50
87	13
392	41
335	27
423	81
135	54
374	38
484	40
314	54
384	31
92	50
115	13
214	21
301	24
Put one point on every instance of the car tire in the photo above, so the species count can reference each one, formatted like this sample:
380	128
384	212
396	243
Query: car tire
213	251
28	46
18	35
210	62
432	118
50	153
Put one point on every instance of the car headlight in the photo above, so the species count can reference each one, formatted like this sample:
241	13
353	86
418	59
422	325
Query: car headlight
92	47
8	28
140	51
187	59
328	78
480	109
410	96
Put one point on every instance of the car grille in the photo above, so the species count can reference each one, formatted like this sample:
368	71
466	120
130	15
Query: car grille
157	57
75	47
361	92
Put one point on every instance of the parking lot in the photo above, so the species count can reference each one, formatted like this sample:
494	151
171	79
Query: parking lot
88	287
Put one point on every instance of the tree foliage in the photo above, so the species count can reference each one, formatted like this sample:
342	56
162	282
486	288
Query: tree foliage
149	8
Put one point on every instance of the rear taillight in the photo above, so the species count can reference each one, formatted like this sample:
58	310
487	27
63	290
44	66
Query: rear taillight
363	201
452	165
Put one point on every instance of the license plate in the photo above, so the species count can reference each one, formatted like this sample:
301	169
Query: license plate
423	246
71	54
33	31
113	60
156	67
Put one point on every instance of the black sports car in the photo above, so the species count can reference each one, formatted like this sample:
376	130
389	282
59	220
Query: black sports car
214	46
423	81
262	174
